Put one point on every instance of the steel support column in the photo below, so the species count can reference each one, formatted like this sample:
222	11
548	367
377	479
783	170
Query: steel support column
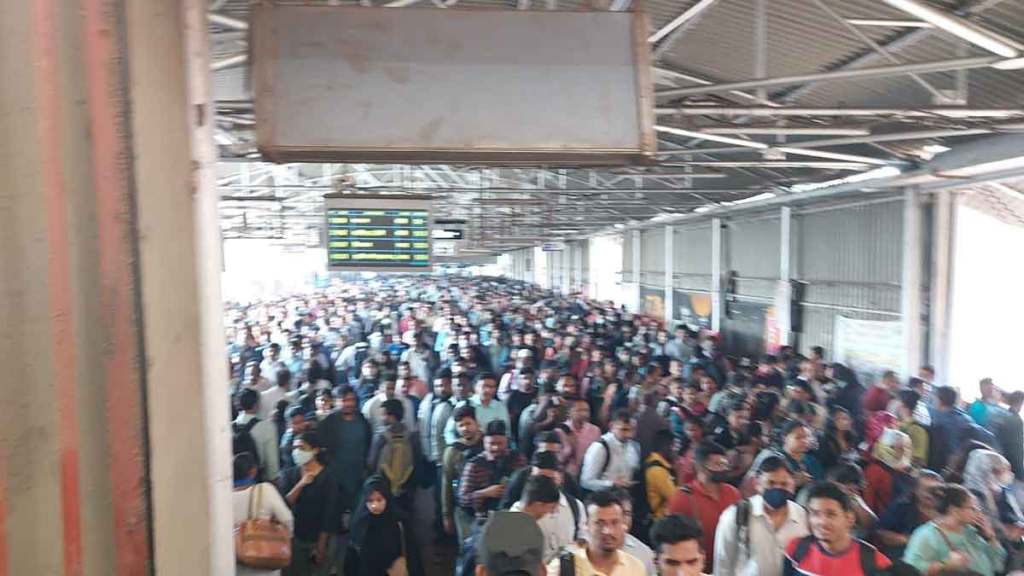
913	252
784	291
670	233
716	274
943	233
638	266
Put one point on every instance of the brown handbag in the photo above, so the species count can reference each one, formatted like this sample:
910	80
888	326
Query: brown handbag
262	542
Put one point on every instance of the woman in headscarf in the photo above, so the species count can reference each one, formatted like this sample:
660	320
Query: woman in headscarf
376	541
888	476
988	475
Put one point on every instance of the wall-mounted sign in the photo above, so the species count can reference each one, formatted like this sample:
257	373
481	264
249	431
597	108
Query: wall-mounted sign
553	246
446	234
378	233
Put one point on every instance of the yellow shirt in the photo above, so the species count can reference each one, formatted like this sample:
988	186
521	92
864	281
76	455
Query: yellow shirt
626	565
660	486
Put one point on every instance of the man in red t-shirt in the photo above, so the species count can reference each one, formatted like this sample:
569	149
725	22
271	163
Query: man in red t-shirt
878	397
831	548
708	495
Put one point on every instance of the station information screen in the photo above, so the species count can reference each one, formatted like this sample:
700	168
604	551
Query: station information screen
379	235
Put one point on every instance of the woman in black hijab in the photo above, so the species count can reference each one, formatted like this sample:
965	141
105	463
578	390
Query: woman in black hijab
377	536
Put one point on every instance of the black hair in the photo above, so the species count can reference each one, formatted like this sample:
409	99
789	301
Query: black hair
548	437
343	390
946	395
830	491
909	399
604	499
774	463
393	407
485	376
444	373
769	359
739	403
846	473
464	411
674	529
545	460
540	489
705	450
293	411
248	399
1014	398
496	428
243	465
792	425
622	415
949	496
818	350
663	441
284	377
325	392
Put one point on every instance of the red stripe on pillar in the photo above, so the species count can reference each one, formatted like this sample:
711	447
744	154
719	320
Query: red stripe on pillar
48	94
105	71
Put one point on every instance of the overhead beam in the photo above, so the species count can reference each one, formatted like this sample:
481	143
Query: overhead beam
900	41
768	111
858	74
959	27
226	21
676	25
788	131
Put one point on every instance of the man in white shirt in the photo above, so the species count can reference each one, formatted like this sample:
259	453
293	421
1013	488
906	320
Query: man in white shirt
567	524
756	547
263	434
271	363
270	398
613	459
603	554
373	410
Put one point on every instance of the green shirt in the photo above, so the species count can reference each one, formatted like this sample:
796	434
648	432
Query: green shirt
928	546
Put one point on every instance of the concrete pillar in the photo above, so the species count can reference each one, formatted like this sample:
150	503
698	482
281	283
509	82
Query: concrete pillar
943	226
716	275
670	234
910	308
113	442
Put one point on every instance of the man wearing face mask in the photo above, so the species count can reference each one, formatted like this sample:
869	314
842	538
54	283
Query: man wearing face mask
708	495
752	535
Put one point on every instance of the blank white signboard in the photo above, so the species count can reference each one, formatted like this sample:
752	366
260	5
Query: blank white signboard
430	85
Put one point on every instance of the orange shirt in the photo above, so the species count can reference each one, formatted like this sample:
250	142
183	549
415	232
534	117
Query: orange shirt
699	504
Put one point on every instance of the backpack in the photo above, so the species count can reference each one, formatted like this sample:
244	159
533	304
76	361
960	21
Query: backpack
566	563
867	555
242	441
574	508
743	525
642	514
397	461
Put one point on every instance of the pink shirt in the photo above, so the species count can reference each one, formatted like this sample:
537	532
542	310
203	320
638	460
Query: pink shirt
574	446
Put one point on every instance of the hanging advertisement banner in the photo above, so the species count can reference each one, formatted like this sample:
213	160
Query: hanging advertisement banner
692	309
869	347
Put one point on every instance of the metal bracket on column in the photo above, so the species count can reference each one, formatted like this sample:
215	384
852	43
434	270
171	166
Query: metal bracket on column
716	274
669	274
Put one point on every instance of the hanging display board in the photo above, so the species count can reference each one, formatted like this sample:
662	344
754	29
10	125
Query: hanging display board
363	84
378	233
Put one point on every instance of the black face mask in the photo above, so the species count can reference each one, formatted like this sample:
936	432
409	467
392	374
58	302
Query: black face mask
718	477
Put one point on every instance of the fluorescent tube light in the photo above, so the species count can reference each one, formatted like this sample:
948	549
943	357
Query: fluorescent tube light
710	137
956	26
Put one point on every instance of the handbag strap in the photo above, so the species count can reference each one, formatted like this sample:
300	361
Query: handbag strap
401	530
254	500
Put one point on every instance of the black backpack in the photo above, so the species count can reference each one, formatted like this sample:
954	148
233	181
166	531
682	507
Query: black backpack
643	517
242	441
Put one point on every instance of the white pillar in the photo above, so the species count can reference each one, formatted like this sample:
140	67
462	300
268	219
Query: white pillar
911	285
567	269
716	274
669	273
637	270
784	292
943	219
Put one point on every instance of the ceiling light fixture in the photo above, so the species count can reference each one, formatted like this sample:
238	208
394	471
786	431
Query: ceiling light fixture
1012	64
889	23
832	155
710	137
957	27
986	168
886	172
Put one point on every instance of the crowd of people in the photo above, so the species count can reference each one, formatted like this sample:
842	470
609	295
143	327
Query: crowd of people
556	435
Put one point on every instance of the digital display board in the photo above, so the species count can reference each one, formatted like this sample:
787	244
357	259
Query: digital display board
380	235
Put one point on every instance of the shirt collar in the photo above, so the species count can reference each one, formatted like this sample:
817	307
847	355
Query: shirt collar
244	418
757	508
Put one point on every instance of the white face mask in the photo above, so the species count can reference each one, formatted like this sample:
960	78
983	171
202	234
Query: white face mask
301	457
